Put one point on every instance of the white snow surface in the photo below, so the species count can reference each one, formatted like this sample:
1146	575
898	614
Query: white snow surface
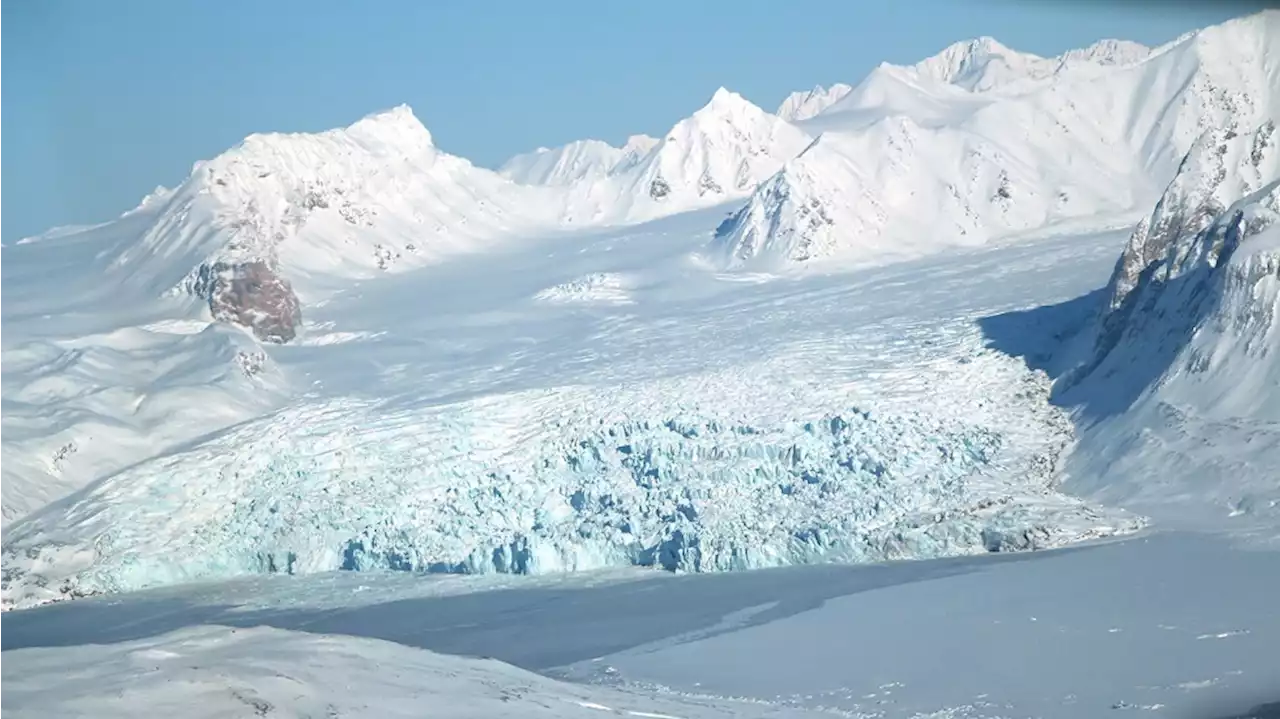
717	154
452	319
209	672
584	160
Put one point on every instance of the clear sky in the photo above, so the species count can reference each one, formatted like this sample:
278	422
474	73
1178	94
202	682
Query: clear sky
102	101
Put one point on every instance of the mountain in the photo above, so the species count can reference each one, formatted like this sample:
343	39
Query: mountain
805	104
282	209
981	142
715	155
1179	380
1192	284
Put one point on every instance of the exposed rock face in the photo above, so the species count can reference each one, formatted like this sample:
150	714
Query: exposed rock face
253	295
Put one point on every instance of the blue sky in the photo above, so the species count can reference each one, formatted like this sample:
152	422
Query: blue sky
103	101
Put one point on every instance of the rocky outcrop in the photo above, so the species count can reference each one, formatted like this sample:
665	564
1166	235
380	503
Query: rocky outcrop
253	295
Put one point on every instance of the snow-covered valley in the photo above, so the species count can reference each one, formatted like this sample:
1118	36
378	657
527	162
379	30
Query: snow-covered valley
986	304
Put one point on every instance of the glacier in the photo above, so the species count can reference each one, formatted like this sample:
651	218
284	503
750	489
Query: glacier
450	490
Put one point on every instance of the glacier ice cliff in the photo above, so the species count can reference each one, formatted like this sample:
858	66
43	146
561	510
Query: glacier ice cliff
469	489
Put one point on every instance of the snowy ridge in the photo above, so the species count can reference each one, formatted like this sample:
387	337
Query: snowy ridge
581	161
805	104
921	158
879	193
985	65
350	202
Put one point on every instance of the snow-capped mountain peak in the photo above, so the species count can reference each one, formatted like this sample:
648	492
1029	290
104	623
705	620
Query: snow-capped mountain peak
398	127
720	151
728	105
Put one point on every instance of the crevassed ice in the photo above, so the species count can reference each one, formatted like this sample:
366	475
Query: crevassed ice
684	492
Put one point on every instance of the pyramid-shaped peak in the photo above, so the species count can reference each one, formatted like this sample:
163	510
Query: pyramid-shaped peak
397	125
729	103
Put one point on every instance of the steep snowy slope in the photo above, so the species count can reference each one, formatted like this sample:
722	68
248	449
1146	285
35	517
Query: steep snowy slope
1182	377
898	189
101	369
996	142
807	103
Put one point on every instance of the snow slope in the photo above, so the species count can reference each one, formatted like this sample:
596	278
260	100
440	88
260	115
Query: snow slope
980	142
217	672
109	356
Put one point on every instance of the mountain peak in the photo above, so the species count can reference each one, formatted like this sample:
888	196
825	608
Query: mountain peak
397	125
726	101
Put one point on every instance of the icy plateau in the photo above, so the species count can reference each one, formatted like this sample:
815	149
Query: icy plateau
885	322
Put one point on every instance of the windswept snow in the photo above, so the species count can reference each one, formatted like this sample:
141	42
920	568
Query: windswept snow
715	155
607	287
